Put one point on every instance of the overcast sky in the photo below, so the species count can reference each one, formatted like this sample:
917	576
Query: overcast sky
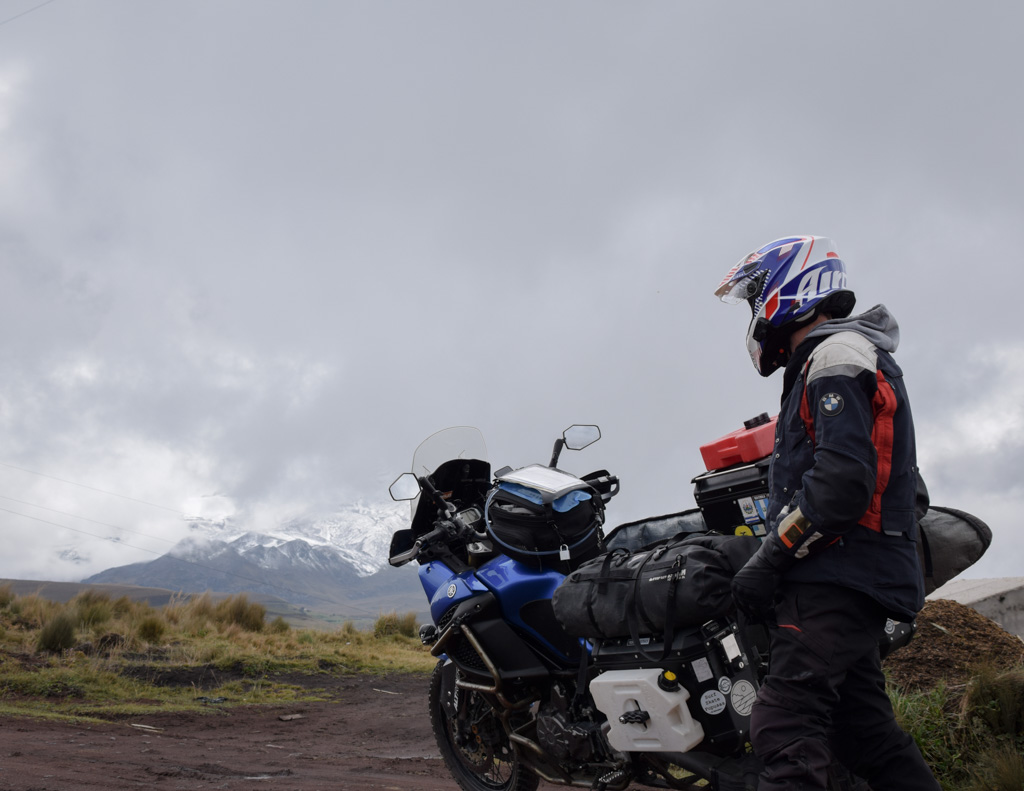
252	253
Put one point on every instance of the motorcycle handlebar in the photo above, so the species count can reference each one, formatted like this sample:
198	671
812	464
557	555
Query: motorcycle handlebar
606	484
413	552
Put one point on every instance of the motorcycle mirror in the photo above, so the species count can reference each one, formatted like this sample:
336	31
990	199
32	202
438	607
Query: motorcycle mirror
405	487
579	437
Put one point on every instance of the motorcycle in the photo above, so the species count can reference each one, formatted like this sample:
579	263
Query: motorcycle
513	698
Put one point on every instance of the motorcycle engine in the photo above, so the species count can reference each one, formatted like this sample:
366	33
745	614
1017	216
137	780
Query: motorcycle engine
565	738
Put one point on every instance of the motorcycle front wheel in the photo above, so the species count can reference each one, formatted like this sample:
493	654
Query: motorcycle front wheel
474	746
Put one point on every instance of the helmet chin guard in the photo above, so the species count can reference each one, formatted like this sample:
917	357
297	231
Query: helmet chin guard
787	283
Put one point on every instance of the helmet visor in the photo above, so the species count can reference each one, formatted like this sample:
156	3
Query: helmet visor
742	286
740	290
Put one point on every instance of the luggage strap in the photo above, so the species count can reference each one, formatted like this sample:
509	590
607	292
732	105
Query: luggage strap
670	607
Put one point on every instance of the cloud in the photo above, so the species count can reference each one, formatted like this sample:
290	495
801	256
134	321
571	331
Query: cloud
971	446
981	416
271	268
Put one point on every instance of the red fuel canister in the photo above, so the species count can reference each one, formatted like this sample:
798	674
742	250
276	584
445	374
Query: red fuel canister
748	444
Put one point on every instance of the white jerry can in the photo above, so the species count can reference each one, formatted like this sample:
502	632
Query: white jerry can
623	696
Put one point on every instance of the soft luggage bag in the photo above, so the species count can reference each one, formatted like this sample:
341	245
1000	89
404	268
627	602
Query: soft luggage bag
643	533
950	541
681	582
545	518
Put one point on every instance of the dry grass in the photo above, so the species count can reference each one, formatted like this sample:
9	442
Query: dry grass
95	657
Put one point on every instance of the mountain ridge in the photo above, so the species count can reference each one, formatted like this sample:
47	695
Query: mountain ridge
323	562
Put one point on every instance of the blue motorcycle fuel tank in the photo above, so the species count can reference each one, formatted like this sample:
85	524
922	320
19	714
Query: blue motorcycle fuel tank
523	593
517	585
444	587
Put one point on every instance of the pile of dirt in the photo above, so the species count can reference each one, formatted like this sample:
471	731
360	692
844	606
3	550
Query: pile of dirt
951	642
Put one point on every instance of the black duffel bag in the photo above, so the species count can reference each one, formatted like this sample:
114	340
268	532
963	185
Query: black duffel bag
679	582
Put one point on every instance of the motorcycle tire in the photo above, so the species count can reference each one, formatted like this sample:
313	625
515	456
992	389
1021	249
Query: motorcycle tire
476	749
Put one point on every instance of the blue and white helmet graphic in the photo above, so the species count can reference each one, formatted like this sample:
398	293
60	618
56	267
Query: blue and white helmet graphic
787	283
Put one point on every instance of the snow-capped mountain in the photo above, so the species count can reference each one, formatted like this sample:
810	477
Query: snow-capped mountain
315	561
359	533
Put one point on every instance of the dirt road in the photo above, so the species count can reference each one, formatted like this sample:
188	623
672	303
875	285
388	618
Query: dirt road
374	735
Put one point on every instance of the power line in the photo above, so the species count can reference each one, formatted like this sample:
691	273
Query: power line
87	519
23	13
77	530
93	488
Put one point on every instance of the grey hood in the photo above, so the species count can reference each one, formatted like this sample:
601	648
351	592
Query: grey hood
878	325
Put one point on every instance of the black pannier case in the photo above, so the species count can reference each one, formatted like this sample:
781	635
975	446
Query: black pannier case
734	500
545	518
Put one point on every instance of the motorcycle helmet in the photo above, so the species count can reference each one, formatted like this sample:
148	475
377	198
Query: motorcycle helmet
787	283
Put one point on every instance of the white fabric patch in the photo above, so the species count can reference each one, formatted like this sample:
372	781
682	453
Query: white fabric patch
846	353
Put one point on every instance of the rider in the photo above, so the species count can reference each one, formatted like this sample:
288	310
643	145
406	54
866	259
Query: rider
841	556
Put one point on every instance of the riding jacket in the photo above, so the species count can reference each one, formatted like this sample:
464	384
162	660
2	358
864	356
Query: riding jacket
845	455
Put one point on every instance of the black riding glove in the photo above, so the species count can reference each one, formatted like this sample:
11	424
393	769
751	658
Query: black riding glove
754	586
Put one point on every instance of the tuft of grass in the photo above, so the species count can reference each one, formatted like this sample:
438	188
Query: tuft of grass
999	769
33	611
391	623
238	610
997	698
151	628
58	634
6	596
122	606
93	609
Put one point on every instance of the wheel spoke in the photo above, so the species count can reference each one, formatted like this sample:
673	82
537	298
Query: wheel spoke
474	744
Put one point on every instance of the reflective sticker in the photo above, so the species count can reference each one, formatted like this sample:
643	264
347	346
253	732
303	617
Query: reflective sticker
890	626
743	696
702	669
731	647
724	685
748	509
713	701
831	404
